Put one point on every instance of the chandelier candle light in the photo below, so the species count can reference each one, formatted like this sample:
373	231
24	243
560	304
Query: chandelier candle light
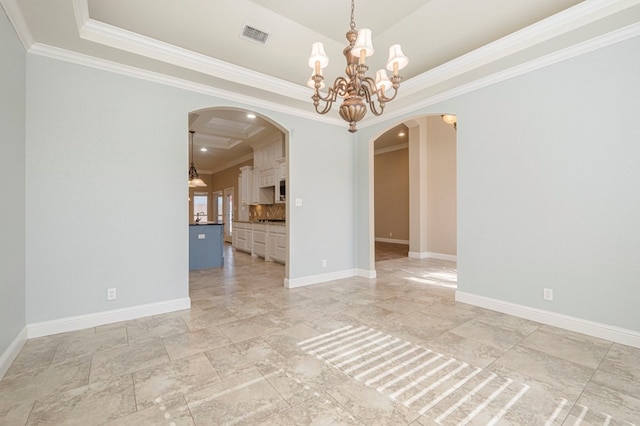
194	179
356	88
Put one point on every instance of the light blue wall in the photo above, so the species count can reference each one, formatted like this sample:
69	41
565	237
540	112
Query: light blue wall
12	172
549	187
106	194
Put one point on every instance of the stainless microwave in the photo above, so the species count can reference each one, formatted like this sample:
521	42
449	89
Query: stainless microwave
283	190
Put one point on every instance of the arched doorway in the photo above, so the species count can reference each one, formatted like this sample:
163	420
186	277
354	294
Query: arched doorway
226	142
417	170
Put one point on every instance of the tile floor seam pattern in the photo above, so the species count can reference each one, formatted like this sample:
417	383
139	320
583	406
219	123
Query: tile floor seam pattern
260	375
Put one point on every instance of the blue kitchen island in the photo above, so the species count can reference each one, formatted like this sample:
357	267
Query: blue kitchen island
205	245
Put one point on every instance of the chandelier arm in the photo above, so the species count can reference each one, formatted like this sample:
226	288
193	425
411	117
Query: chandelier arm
367	89
384	98
373	107
339	88
328	103
368	84
379	96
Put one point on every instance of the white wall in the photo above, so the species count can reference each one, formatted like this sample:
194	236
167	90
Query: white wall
321	174
12	166
548	187
549	181
106	195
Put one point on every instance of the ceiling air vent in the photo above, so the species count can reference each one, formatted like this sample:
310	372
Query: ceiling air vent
254	34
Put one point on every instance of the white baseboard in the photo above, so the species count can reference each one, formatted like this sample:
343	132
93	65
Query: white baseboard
80	322
591	328
366	273
393	241
317	279
430	255
8	356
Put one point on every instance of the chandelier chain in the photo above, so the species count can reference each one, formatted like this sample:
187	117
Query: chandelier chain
353	22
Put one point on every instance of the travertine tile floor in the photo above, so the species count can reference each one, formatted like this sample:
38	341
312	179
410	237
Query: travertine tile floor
392	351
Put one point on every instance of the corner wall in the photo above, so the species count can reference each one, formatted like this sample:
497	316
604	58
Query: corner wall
548	181
548	195
12	188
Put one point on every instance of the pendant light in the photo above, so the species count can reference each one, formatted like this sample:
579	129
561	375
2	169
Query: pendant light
194	179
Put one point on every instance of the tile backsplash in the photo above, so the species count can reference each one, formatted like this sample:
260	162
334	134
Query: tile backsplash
267	212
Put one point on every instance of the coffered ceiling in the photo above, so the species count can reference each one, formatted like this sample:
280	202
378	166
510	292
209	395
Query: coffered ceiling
198	44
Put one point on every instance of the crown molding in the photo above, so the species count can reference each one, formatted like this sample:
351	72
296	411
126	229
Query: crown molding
577	16
109	35
391	149
248	102
233	163
595	43
16	18
585	11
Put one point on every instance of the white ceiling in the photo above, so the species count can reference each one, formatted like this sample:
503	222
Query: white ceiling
197	43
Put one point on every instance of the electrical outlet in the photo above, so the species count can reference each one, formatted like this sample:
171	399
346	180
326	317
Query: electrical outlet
391	234
111	294
548	294
324	263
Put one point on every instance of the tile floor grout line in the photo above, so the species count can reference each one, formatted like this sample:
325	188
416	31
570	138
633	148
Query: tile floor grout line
593	374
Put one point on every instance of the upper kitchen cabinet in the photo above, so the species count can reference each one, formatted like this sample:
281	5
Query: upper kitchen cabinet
264	182
246	185
266	154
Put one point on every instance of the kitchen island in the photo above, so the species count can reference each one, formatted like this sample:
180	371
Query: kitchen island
205	245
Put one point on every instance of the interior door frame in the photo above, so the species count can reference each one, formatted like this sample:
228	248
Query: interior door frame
227	207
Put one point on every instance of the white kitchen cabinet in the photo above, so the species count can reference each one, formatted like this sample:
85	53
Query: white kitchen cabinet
267	178
246	185
277	243
268	241
266	156
259	240
255	193
243	236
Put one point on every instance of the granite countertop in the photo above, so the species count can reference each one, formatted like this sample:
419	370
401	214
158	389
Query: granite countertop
272	222
206	223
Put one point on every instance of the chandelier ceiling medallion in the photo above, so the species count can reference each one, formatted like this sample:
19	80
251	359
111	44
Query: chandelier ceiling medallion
194	179
357	90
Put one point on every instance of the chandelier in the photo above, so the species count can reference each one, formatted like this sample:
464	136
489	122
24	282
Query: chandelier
194	179
357	90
